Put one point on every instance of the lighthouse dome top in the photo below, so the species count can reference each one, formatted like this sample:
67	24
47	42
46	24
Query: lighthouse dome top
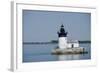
62	30
62	25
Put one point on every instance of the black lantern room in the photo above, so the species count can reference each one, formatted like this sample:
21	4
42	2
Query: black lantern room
62	32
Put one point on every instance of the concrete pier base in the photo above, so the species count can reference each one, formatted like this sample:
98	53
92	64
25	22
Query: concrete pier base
75	50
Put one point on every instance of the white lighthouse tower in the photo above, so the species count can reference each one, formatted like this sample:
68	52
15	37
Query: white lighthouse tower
62	38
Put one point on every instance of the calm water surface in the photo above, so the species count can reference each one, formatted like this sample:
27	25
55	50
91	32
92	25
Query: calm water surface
42	52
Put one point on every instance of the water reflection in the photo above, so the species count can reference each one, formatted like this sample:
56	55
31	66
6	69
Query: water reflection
68	57
37	53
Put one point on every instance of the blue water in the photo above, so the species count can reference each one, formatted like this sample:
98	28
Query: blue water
42	53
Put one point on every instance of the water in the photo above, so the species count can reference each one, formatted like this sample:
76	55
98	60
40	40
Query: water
42	53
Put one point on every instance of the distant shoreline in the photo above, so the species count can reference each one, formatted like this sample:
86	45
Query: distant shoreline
37	43
84	41
52	42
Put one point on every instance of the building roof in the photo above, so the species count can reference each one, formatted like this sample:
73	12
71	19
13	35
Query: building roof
72	41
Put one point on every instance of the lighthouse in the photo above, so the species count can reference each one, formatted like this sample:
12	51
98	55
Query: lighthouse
62	38
66	46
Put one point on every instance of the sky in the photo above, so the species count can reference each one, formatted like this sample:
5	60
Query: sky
42	26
